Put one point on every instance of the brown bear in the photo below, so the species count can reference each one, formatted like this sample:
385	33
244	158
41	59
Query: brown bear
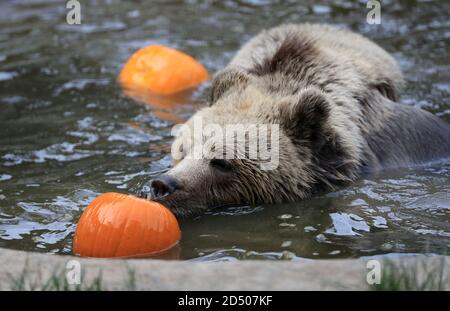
333	95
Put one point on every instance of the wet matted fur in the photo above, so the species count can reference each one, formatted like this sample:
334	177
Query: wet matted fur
333	93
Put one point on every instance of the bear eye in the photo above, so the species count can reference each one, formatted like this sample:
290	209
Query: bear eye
221	164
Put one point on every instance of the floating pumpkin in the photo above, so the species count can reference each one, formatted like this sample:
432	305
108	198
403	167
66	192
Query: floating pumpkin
119	225
162	70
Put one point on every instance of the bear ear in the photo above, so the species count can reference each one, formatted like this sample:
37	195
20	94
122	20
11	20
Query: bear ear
225	79
311	122
307	119
387	89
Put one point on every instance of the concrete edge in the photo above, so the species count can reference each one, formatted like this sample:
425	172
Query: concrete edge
21	270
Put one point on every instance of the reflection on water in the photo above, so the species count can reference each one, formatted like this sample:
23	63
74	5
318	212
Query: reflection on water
70	133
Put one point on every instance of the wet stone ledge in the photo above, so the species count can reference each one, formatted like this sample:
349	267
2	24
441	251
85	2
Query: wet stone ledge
34	271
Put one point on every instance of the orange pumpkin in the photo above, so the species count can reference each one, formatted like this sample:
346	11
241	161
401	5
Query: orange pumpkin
119	225
162	70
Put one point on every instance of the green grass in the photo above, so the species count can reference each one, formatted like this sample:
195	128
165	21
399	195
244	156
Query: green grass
417	276
34	281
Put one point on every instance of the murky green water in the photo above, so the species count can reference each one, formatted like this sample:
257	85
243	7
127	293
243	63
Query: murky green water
67	133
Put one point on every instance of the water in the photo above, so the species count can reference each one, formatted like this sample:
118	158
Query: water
69	133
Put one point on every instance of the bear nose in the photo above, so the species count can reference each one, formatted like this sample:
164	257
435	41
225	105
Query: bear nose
163	185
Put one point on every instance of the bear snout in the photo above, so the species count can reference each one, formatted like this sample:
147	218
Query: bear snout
163	186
